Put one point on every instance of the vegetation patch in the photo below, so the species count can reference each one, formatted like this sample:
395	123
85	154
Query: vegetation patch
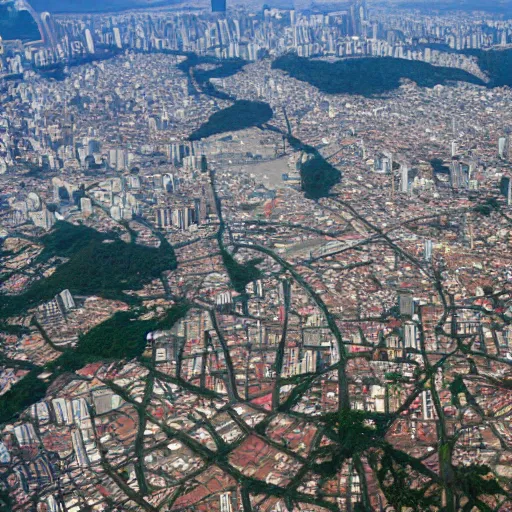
497	64
477	480
368	76
438	166
23	394
241	274
394	476
223	69
486	208
123	336
318	176
67	239
95	266
241	115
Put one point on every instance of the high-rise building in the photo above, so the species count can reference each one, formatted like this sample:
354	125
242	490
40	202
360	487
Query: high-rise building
169	183
358	17
86	206
504	147
163	217
293	17
65	301
506	188
204	163
404	179
427	250
117	37
89	41
411	335
93	146
225	502
43	219
428	405
406	304
118	159
218	5
458	175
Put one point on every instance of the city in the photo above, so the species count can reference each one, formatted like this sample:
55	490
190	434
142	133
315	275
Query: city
255	257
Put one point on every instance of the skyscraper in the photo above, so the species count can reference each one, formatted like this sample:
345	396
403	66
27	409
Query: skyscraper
427	250
458	176
117	37
503	147
506	188
406	304
358	17
404	179
89	41
218	5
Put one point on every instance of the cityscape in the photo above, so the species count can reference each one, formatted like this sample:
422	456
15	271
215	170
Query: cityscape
255	257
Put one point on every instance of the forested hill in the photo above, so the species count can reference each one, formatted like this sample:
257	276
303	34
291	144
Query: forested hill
368	76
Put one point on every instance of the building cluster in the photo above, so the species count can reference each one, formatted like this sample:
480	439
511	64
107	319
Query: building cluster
353	30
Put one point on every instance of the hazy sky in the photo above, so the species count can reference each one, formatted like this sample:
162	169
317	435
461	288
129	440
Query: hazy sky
498	6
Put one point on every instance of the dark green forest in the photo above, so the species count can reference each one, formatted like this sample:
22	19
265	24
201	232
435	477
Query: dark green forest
368	76
241	115
240	274
223	69
318	176
123	336
497	64
98	264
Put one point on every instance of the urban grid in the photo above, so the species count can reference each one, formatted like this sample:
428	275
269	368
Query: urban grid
255	258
